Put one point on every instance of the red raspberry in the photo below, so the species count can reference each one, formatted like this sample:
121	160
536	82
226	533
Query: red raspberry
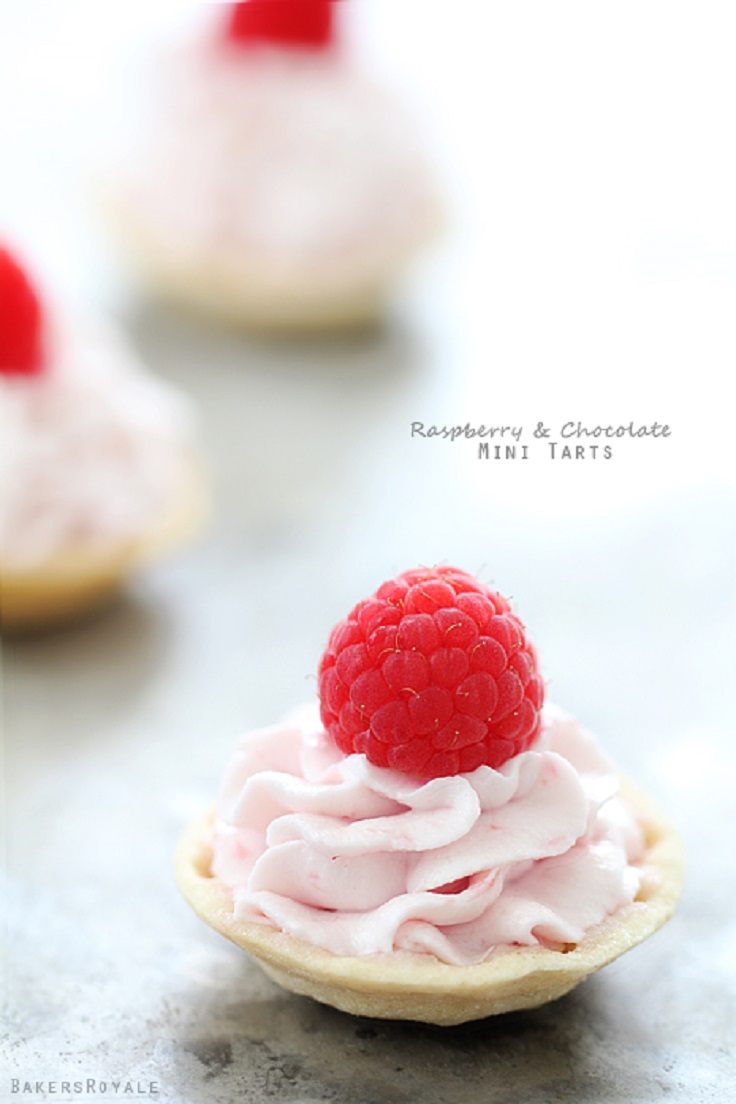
280	22
21	352
431	676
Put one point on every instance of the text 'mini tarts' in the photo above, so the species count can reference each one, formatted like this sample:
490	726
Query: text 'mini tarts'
432	842
97	466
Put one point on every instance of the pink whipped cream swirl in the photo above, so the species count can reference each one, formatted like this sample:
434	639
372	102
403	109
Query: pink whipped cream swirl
93	451
361	860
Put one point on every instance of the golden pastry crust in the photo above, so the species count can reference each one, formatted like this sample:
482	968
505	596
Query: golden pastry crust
81	578
406	986
245	300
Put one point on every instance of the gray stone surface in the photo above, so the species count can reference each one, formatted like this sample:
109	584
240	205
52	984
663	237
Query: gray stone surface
116	732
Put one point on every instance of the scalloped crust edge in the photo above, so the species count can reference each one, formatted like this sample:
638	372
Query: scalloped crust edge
406	986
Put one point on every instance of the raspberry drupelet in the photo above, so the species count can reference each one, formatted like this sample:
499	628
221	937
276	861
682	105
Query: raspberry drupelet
431	676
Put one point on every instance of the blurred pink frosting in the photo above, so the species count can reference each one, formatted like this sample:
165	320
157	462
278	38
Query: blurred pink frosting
91	450
281	158
359	859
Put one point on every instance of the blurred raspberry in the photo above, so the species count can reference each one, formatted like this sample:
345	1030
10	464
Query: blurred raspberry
21	352
281	22
431	676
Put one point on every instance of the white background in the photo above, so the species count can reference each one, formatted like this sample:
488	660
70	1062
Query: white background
588	152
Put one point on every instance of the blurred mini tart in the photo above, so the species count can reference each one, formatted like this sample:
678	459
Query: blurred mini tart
98	467
430	845
281	189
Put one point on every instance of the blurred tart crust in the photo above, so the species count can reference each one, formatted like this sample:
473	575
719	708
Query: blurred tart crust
248	293
84	577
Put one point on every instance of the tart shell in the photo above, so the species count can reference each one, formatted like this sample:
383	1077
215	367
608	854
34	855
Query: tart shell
404	986
248	293
82	578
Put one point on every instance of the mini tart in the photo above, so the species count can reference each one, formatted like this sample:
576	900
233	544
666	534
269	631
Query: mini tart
81	578
407	986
